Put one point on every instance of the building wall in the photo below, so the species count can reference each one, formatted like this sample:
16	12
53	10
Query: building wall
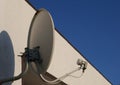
64	61
15	18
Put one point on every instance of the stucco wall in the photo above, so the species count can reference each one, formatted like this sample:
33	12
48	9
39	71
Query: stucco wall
64	61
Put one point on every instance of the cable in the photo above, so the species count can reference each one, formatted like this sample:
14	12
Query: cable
58	80
76	76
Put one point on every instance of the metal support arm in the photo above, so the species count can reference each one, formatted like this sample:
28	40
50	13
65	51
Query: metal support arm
16	77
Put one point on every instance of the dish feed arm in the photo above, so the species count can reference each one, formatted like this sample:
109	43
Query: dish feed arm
16	77
81	63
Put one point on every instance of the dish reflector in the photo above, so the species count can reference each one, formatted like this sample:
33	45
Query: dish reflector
41	35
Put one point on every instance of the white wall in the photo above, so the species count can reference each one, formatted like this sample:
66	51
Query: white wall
15	18
64	61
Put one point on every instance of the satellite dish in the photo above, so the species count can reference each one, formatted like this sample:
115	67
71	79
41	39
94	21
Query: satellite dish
7	64
38	53
40	45
40	37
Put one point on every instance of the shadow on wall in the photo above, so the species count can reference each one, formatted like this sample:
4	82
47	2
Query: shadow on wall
7	64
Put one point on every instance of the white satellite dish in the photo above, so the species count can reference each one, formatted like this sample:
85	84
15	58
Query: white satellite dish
39	48
41	35
7	64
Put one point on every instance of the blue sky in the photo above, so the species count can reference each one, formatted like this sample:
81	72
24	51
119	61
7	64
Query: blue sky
93	27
